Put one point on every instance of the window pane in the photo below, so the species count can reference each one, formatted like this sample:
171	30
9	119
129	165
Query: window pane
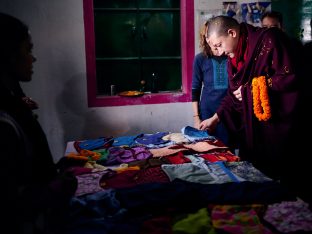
133	3
159	3
135	40
160	33
115	34
125	75
114	3
168	73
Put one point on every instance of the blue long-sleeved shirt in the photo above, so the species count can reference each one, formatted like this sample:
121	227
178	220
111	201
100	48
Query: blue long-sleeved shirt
209	83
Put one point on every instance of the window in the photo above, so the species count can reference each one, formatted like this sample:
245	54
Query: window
128	41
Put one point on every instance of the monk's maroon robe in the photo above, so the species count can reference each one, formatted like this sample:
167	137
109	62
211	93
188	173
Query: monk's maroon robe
264	143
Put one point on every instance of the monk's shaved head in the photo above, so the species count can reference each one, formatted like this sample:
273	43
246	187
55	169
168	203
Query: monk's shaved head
223	35
220	25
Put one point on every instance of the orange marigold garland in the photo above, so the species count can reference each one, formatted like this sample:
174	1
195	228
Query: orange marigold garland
261	103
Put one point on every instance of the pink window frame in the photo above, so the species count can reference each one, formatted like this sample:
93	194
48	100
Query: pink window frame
187	52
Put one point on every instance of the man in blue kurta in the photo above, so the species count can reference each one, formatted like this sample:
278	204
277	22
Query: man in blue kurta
258	52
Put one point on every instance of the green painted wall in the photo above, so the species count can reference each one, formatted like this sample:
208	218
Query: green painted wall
297	15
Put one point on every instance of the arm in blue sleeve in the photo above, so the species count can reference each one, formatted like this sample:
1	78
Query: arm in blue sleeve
197	77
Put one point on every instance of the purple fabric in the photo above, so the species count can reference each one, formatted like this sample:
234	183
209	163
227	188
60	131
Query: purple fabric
90	183
263	143
290	216
119	155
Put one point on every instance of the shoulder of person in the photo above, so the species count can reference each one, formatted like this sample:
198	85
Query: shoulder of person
11	135
253	32
200	56
276	36
8	124
11	132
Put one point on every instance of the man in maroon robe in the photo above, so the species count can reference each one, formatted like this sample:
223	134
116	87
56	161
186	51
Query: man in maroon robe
255	52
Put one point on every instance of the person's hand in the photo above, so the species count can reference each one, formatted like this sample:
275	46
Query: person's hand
209	124
238	94
204	125
196	122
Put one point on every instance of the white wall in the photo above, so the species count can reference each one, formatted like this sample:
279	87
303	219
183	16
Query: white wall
59	81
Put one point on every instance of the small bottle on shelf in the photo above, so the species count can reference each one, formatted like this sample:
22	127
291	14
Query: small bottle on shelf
154	81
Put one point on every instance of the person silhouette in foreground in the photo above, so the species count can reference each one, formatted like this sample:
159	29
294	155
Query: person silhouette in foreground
32	188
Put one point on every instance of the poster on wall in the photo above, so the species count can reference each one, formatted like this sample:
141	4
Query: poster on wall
250	12
231	9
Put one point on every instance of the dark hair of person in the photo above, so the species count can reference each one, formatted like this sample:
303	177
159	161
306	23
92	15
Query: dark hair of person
220	25
205	48
13	33
275	15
